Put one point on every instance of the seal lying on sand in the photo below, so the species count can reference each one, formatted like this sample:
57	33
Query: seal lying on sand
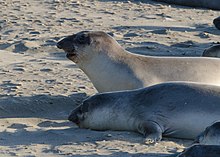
200	151
211	4
216	22
213	51
111	68
211	135
180	110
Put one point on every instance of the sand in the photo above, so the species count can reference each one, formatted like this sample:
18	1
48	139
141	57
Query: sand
39	87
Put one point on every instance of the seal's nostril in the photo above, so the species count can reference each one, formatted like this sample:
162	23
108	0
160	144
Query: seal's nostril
59	45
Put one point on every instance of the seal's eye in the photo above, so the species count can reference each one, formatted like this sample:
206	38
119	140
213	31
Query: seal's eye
83	39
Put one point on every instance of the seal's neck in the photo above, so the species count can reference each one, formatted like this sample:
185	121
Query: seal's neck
109	74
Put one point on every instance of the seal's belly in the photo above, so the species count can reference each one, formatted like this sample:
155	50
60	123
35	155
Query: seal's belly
190	125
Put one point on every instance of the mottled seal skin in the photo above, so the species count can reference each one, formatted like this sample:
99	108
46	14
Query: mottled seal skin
111	68
213	51
179	110
211	135
216	22
211	4
200	151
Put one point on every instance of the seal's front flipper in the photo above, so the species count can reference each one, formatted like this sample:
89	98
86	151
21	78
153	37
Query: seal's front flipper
151	130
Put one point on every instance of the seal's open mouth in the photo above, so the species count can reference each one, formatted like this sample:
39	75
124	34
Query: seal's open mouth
68	47
74	119
70	54
77	123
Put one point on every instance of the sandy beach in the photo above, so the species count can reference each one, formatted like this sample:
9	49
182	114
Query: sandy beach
39	86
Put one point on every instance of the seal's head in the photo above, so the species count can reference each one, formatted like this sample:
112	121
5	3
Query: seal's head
79	114
84	44
211	135
104	111
93	113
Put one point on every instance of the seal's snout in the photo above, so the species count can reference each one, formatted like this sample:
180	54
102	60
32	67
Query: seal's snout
66	44
59	45
69	118
63	43
73	118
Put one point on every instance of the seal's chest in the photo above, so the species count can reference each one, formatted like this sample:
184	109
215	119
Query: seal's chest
109	75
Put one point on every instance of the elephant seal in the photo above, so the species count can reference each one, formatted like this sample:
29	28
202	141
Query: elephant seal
111	68
211	135
211	4
200	151
216	22
174	109
213	51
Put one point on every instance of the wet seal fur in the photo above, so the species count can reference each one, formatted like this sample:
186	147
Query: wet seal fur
179	110
211	4
211	135
111	68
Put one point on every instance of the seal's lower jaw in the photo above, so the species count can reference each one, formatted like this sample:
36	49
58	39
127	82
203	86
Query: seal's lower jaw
77	123
70	55
74	120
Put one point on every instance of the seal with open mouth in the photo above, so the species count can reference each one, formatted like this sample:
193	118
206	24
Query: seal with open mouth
111	68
